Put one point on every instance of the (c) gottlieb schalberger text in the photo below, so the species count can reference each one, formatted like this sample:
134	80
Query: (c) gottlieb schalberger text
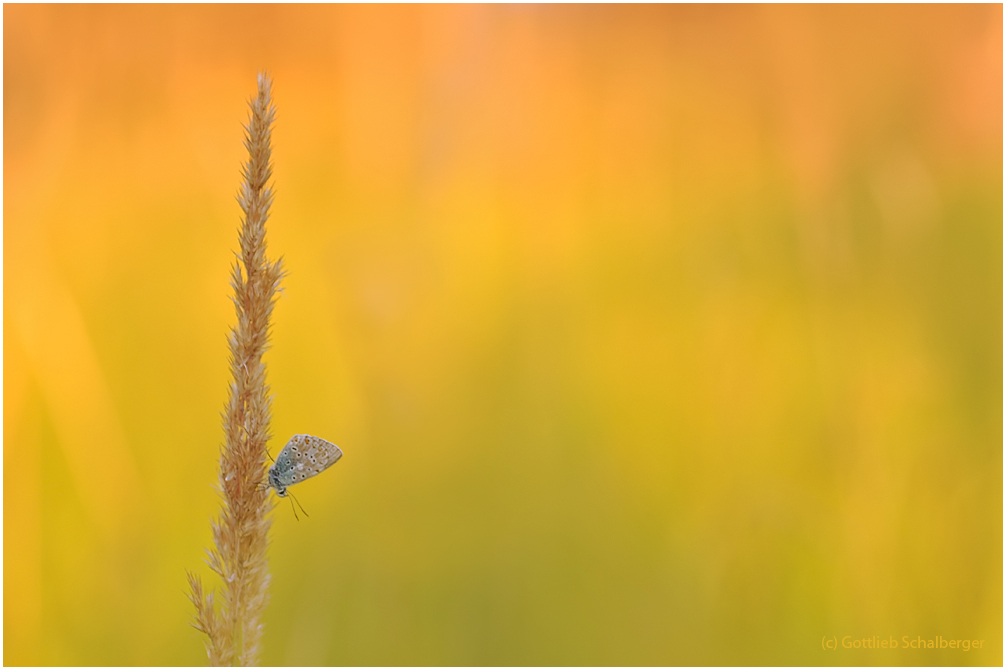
834	643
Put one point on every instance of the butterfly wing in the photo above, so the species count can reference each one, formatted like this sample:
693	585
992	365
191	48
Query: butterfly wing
321	454
305	456
284	467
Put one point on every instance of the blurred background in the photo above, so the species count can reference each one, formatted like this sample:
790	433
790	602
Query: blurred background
651	335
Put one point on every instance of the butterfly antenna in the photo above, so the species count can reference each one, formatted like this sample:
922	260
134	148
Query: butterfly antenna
294	509
298	503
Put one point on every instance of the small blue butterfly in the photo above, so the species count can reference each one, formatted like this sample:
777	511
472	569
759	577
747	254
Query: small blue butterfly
303	456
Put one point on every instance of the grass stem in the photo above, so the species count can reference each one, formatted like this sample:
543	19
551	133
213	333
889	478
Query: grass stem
241	534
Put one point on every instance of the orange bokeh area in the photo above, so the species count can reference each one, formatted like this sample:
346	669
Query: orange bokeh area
652	335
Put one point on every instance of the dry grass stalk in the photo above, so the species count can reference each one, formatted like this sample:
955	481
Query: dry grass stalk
241	534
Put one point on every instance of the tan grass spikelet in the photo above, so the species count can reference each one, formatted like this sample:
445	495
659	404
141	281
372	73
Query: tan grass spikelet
240	536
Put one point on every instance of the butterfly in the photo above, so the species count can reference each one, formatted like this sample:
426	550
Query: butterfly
303	456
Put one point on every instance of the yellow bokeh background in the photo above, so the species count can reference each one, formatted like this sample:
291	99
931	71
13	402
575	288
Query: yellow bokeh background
651	335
